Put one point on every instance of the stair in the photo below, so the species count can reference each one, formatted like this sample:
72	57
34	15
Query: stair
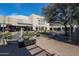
31	47
43	53
37	51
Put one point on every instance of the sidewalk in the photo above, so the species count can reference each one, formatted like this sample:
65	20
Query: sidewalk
60	48
13	50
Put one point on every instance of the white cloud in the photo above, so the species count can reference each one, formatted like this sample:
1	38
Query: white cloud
14	14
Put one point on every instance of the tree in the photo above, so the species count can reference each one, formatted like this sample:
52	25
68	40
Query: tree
59	11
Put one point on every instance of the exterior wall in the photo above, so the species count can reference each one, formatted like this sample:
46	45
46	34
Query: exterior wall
30	21
12	21
2	20
56	26
20	20
38	21
7	20
33	21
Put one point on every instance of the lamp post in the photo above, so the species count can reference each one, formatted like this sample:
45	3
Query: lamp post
70	22
3	25
21	32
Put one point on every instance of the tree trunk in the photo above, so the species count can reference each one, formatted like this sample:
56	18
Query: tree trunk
65	29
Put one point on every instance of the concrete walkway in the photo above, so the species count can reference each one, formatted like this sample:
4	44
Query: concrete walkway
60	48
37	51
13	50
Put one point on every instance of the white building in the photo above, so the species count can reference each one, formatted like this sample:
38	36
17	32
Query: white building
32	22
39	23
57	27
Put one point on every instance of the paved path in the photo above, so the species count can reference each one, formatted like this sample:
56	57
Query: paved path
13	50
37	51
60	48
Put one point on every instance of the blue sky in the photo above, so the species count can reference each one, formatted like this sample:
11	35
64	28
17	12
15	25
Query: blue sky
21	8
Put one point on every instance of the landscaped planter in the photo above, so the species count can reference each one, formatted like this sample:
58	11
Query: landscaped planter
21	44
38	34
29	42
3	42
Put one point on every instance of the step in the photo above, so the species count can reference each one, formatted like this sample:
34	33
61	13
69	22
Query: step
35	51
38	52
43	53
31	47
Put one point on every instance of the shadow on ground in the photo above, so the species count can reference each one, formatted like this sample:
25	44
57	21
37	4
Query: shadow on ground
61	37
13	50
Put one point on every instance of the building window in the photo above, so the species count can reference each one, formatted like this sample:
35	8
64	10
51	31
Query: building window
51	29
45	28
57	29
42	28
67	29
39	22
36	28
54	29
63	28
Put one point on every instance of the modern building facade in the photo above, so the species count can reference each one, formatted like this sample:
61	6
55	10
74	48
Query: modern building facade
39	23
29	23
57	27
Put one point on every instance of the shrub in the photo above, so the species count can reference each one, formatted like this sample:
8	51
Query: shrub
38	34
7	35
28	34
44	33
29	42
